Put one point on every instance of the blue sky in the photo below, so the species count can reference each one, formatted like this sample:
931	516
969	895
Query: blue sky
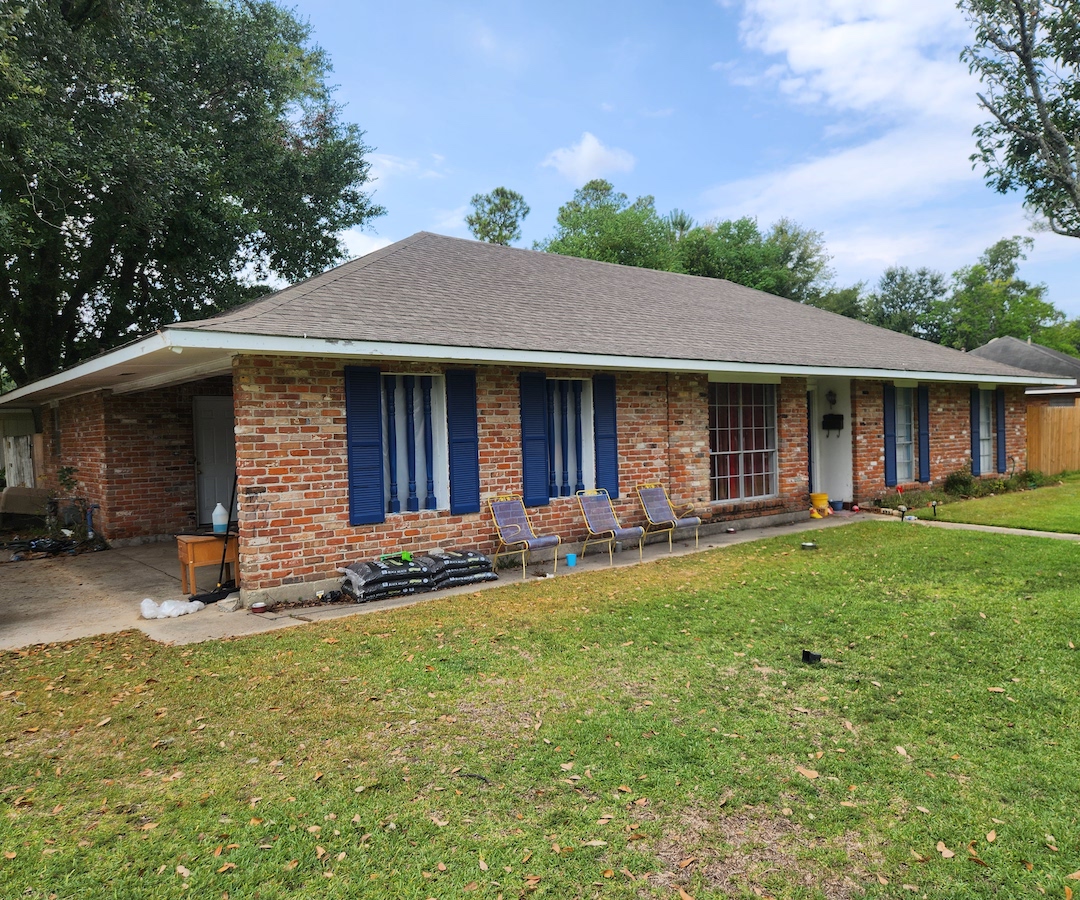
852	118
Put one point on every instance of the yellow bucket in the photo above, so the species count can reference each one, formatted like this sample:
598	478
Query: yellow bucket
819	501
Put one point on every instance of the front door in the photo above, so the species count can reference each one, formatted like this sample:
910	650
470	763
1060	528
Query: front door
215	455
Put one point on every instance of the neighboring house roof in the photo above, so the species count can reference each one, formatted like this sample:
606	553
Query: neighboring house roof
440	298
1025	355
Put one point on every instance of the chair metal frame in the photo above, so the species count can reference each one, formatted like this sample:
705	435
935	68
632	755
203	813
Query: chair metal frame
614	533
672	521
514	533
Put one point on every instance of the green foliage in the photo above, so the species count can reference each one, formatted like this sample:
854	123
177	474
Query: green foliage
790	261
960	483
65	475
847	301
602	224
158	160
989	301
1027	500
496	217
1025	54
910	302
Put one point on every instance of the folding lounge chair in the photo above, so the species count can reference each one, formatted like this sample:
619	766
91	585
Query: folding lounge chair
515	530
603	525
662	515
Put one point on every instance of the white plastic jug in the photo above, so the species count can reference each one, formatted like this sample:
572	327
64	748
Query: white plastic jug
221	519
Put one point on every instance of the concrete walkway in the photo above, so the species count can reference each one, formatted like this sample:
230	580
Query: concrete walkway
61	599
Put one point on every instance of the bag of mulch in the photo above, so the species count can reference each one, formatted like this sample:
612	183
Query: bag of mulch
455	579
381	591
364	575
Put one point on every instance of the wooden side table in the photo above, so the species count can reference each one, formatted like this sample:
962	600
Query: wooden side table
198	550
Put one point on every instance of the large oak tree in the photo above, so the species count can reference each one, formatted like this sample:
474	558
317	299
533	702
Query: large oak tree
158	160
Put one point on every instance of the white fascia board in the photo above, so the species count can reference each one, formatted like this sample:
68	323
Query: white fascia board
150	344
292	346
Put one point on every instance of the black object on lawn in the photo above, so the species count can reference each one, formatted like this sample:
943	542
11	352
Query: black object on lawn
225	588
808	656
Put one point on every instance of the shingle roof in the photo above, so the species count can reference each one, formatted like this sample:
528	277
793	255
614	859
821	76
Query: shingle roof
431	289
1035	358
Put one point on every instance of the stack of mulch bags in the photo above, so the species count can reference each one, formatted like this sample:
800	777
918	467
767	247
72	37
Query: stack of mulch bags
402	574
450	568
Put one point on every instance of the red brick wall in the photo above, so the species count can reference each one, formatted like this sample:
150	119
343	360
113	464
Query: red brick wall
950	435
291	460
135	456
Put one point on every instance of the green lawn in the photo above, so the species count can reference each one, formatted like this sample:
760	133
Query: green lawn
1053	508
611	734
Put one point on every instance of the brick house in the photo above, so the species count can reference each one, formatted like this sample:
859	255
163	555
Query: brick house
378	406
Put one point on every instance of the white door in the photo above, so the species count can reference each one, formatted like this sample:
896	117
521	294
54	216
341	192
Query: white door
215	455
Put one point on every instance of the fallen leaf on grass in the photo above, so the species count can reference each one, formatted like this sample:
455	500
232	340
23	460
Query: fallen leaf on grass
182	872
104	722
684	863
608	873
806	773
918	856
973	858
226	866
150	826
923	809
1075	876
532	880
945	852
291	864
596	843
900	750
1068	893
483	865
10	854
567	766
1026	865
684	896
471	886
526	857
991	836
882	879
440	822
996	690
849	804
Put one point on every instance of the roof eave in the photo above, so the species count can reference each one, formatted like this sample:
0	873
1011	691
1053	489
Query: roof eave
218	347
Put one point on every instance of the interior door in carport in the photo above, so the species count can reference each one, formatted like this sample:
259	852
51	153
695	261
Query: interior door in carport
215	454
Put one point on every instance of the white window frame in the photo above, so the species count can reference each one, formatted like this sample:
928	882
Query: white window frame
986	431
439	442
739	456
588	444
906	435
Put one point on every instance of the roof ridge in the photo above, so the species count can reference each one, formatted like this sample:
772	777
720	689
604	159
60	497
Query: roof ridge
247	310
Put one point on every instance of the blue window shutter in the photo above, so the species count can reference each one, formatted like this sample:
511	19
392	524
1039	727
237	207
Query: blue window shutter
924	433
464	442
999	398
888	409
976	459
606	435
534	439
363	430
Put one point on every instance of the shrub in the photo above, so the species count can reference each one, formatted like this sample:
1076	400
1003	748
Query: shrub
960	483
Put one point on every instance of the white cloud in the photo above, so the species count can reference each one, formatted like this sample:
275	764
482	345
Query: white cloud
891	58
385	166
358	243
588	159
451	219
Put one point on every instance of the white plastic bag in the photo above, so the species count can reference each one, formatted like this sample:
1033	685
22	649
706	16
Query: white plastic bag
169	609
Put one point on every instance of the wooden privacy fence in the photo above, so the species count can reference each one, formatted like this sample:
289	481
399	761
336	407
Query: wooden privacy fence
1053	439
